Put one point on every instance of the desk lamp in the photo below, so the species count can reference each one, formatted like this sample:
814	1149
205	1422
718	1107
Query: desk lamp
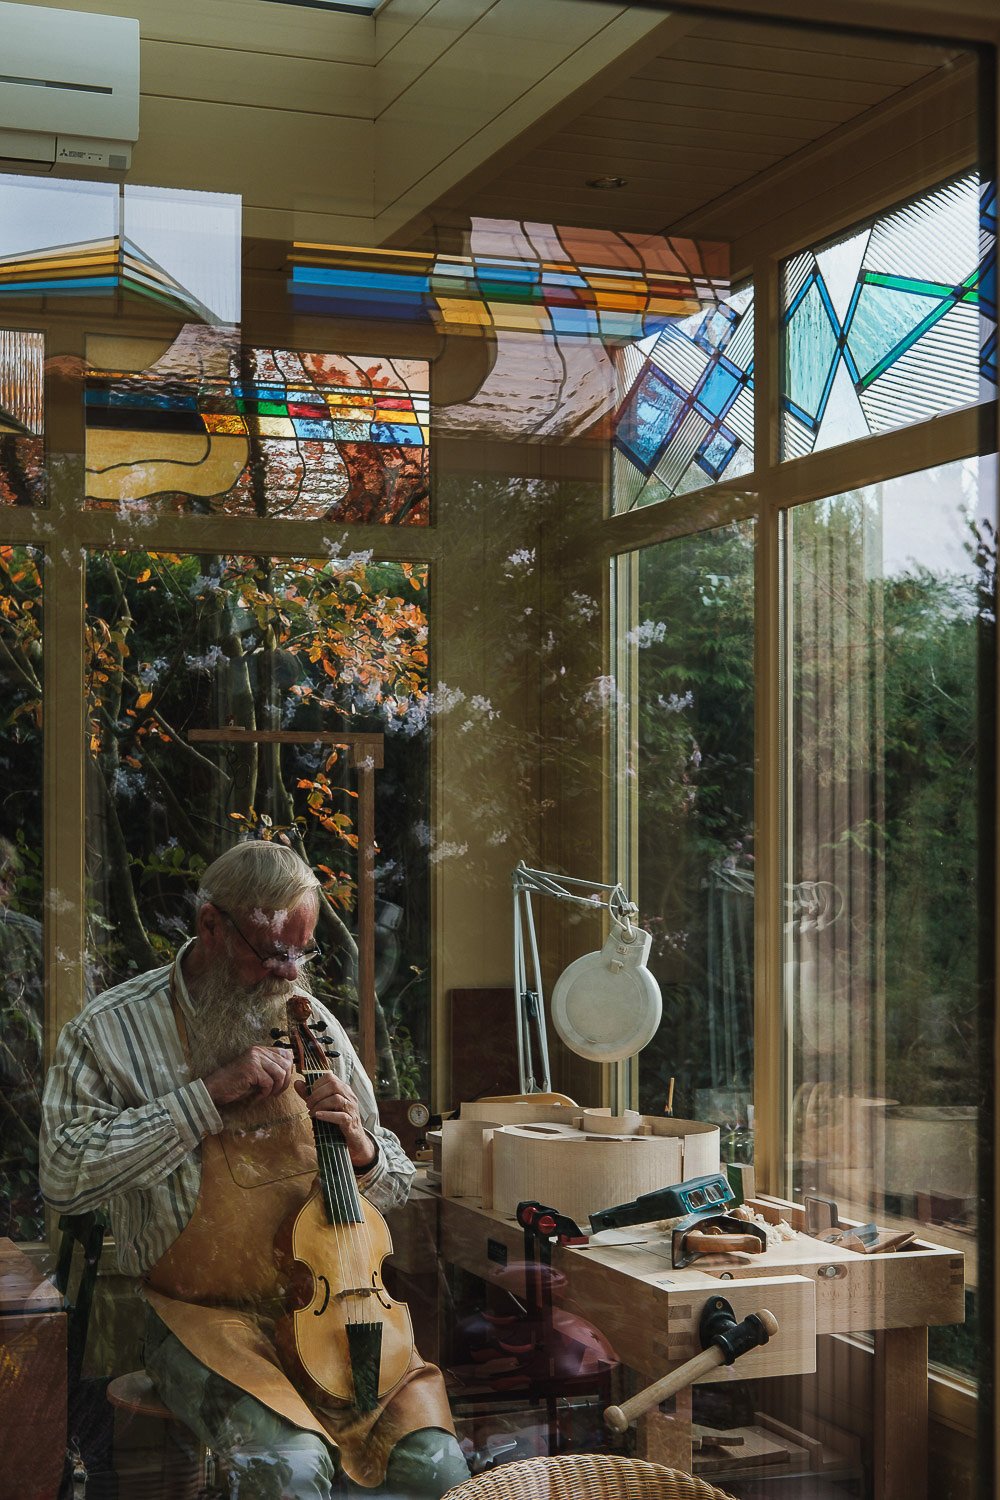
605	1005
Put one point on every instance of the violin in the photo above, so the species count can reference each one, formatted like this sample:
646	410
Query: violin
343	1338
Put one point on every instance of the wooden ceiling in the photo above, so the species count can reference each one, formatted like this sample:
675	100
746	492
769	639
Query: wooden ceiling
722	103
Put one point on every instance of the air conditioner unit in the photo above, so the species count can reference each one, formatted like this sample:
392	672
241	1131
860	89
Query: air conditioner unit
69	88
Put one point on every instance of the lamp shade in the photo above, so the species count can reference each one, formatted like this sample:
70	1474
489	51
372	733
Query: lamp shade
606	1005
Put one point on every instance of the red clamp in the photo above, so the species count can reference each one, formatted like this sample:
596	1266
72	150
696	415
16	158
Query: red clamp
549	1224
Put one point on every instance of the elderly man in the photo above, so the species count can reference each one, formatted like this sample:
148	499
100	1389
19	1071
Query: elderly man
169	1104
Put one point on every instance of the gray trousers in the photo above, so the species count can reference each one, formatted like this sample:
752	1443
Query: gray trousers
266	1457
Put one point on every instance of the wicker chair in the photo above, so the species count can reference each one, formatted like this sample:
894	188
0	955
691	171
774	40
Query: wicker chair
585	1476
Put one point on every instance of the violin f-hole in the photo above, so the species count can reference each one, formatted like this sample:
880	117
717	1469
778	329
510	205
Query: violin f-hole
319	1311
380	1293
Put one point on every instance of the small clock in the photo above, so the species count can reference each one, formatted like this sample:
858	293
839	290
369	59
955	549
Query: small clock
418	1114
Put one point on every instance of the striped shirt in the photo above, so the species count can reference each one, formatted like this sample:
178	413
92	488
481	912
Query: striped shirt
123	1120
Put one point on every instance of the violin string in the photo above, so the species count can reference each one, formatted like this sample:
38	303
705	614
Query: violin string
329	1158
349	1199
308	1062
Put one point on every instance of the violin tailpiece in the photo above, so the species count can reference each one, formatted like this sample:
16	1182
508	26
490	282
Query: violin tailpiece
365	1343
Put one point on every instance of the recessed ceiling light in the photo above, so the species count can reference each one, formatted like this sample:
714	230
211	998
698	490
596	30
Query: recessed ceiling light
607	182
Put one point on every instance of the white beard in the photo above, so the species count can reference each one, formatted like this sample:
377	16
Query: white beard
229	1019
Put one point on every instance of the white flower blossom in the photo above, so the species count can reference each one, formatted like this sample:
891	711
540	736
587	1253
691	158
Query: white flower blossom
206	663
521	560
648	633
676	702
447	850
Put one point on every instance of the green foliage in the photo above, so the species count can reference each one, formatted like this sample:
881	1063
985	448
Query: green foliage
180	642
694	735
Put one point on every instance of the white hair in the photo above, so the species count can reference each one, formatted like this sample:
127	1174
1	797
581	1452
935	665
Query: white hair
258	876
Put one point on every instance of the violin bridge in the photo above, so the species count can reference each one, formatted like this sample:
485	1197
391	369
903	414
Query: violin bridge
355	1291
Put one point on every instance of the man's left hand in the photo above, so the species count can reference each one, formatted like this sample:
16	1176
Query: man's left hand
332	1099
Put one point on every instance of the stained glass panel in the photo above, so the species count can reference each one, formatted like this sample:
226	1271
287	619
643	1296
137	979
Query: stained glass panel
209	425
684	414
552	302
893	323
22	355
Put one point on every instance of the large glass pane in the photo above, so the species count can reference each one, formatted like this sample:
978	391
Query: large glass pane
689	636
22	994
889	626
893	323
181	643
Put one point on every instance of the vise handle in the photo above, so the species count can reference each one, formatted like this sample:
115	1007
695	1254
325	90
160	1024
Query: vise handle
728	1340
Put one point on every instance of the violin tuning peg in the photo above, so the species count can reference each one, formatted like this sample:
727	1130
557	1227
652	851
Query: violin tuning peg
280	1036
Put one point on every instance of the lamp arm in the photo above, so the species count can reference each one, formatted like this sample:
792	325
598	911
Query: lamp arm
530	1001
548	883
530	1006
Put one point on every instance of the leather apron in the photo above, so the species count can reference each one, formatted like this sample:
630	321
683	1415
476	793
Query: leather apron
218	1289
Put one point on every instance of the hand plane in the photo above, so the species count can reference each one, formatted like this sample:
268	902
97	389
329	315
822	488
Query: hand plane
695	1214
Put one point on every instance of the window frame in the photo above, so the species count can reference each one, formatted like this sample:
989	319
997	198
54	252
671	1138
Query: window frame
774	486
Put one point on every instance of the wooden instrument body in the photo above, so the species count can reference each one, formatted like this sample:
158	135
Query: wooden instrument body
334	1278
344	1340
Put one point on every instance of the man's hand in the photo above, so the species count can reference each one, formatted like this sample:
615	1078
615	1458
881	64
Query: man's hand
333	1100
257	1073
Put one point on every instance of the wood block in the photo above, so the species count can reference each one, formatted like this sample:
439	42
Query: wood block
462	1157
812	1445
900	1392
760	1450
663	1435
922	1284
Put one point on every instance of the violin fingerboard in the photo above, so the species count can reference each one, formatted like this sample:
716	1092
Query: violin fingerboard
364	1340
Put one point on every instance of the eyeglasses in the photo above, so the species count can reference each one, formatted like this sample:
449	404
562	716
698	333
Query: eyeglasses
277	955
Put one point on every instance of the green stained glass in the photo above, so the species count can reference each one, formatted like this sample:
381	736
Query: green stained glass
891	324
810	351
883	318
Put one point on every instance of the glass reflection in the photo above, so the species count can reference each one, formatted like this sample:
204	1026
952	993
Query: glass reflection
888	615
691	641
179	642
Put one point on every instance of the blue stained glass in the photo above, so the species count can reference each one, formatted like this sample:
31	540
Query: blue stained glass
574	320
717	451
810	352
716	328
906	343
655	408
305	427
676	390
719	390
404	434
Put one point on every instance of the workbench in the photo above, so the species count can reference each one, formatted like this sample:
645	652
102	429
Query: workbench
649	1311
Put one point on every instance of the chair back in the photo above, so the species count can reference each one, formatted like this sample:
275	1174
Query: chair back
86	1230
585	1476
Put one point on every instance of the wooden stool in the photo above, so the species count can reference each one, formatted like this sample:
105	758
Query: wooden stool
155	1454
